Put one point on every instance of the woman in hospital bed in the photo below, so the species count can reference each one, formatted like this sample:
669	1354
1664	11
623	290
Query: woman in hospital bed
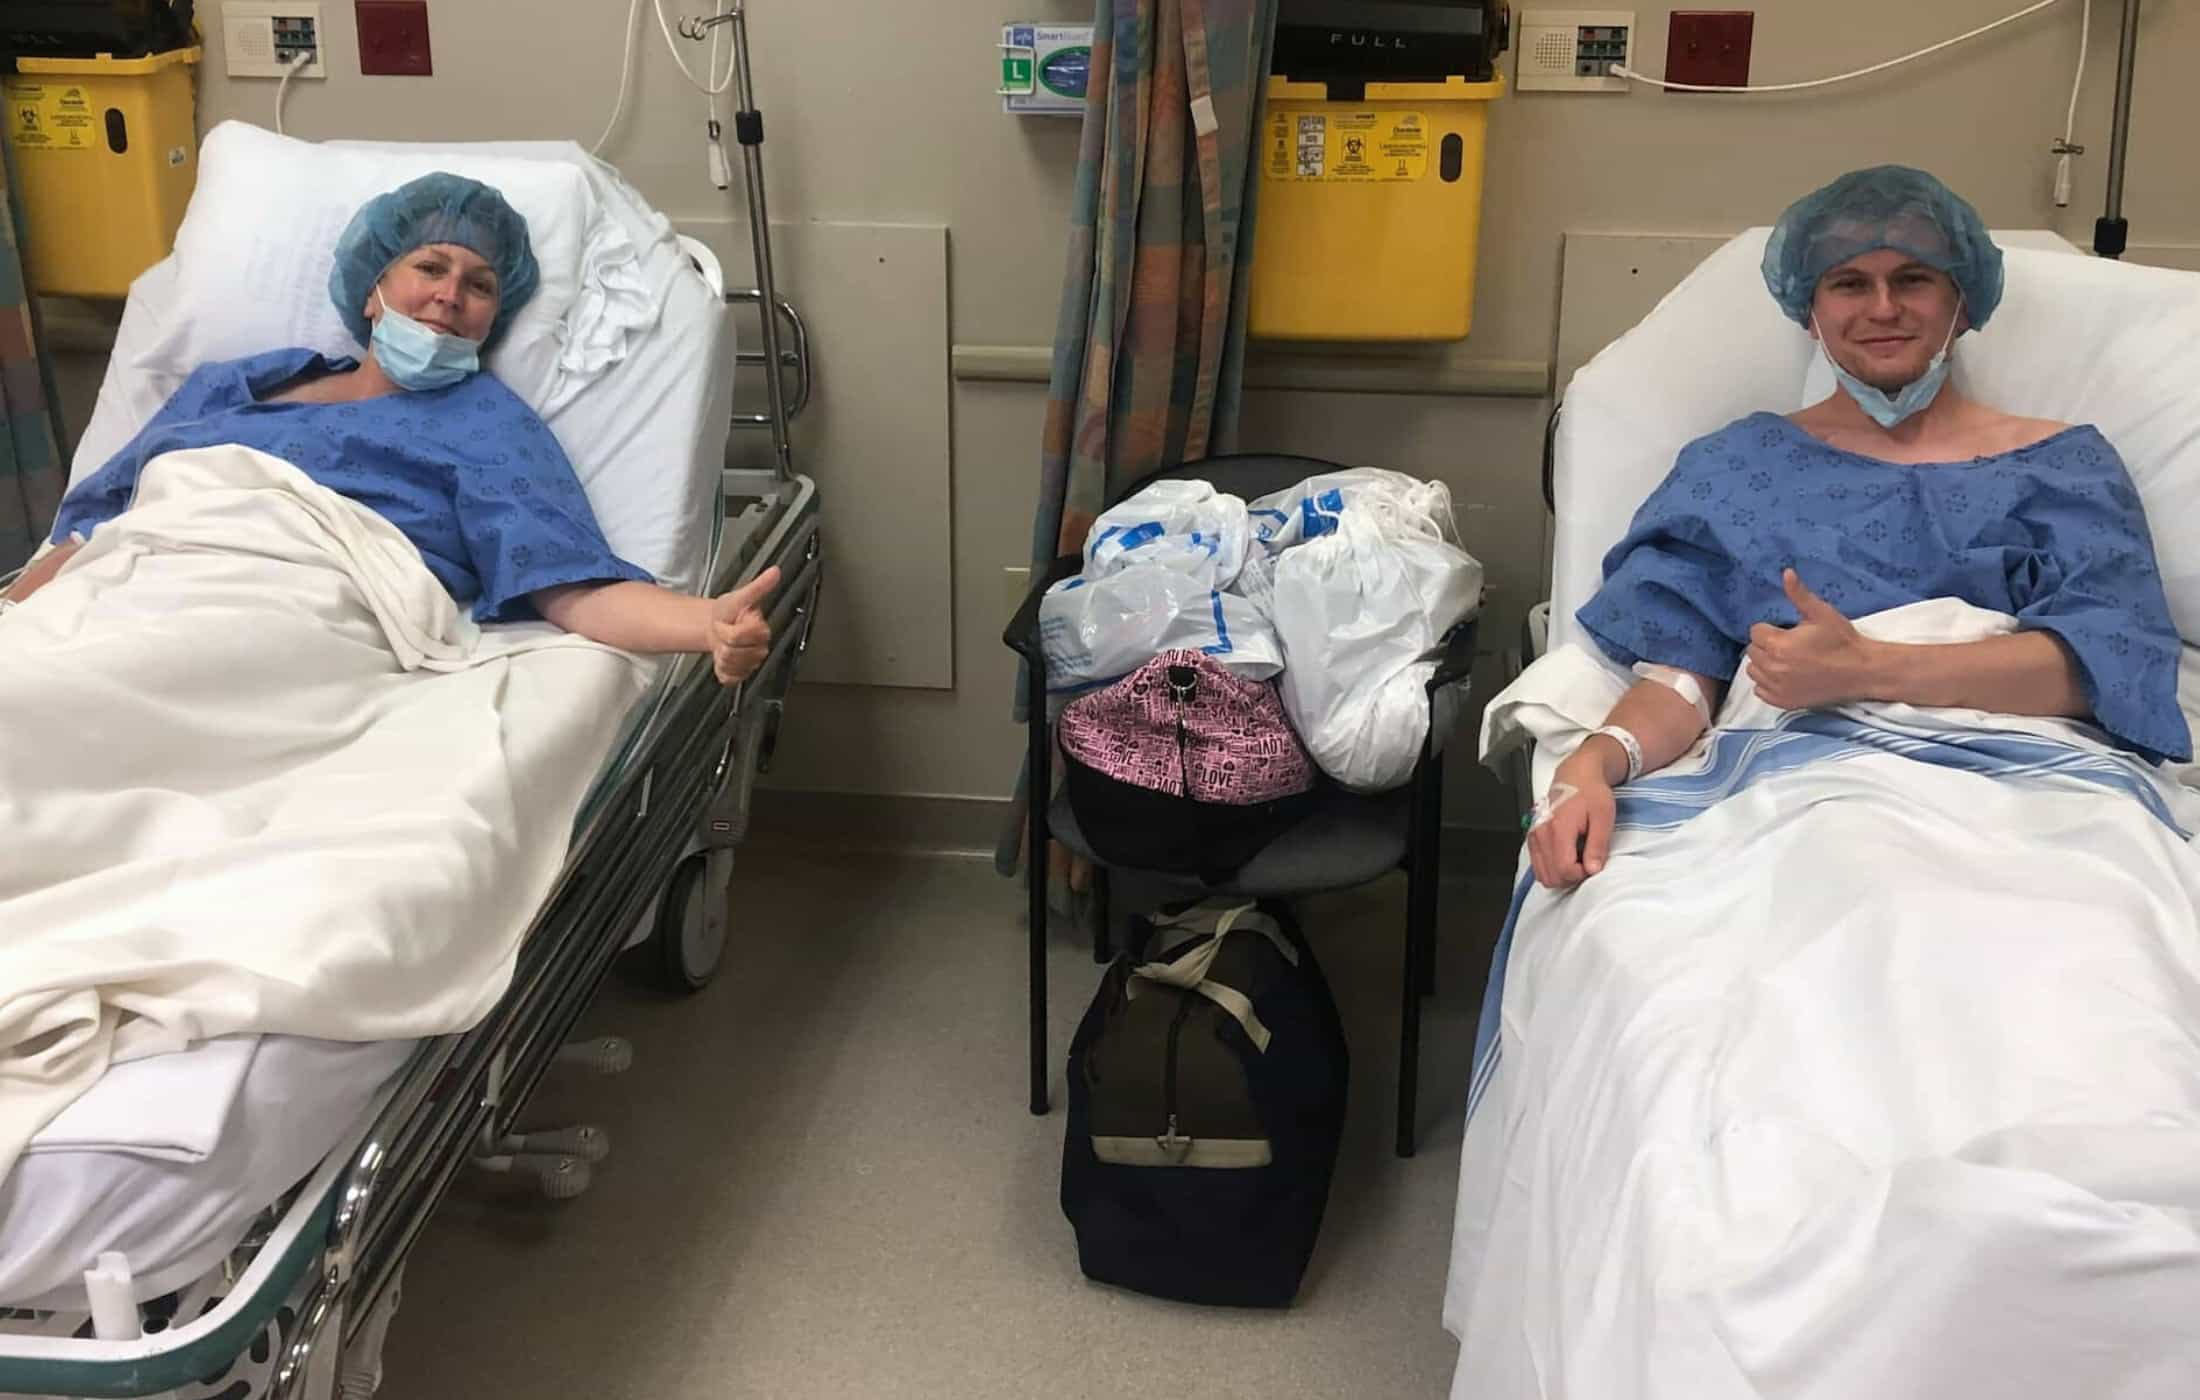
427	277
1771	534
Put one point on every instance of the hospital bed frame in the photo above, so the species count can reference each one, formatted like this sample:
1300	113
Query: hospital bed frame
656	833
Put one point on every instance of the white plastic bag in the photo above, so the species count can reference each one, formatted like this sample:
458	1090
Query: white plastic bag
1309	510
1361	608
1156	570
1094	632
1187	526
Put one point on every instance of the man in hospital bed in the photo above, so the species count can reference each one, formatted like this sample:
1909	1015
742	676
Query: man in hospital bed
261	768
1771	534
428	276
1844	1047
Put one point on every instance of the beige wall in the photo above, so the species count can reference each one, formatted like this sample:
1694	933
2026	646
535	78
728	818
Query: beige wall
882	111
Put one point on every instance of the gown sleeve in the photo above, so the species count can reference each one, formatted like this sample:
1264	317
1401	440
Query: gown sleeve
106	493
2091	580
1672	589
526	522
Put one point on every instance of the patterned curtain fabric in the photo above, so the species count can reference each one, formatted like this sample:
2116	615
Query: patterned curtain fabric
31	471
1149	351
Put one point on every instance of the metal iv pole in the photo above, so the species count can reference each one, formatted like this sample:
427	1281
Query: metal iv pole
748	131
2112	231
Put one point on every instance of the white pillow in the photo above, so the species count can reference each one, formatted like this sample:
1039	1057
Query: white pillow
258	236
250	274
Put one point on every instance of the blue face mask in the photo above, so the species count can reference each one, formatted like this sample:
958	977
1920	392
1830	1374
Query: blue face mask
418	357
1913	398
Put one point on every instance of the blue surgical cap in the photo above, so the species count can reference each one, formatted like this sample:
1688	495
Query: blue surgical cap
1888	206
437	208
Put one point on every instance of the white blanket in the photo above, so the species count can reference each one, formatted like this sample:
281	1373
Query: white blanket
259	773
1868	1067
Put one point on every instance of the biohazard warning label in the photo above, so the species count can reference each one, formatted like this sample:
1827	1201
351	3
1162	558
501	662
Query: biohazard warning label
1362	147
1298	145
49	117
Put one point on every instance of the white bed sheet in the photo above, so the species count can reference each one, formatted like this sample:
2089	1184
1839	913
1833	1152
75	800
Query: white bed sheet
175	1188
176	1219
1874	1077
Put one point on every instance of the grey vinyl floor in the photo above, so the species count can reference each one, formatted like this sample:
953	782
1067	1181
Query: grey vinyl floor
825	1181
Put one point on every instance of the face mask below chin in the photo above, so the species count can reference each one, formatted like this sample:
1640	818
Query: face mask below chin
417	357
1913	398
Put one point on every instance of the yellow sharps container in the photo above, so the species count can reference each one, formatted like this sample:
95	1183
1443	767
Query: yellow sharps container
106	154
1371	161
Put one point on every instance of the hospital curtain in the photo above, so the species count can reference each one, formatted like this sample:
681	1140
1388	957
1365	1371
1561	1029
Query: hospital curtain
1149	349
31	475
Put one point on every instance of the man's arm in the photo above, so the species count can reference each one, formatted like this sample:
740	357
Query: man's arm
41	571
2025	673
1824	661
1573	834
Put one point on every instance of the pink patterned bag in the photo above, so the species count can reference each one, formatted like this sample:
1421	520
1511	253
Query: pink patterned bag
1183	766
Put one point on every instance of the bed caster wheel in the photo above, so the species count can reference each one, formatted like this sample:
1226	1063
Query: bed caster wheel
606	1055
557	1177
691	923
587	1142
561	1178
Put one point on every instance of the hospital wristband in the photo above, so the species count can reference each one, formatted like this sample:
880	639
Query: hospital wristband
1630	745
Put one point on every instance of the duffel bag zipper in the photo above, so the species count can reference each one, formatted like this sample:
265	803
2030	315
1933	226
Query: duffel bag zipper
1171	1141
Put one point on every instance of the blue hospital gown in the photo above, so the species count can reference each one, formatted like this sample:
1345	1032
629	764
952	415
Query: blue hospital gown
2052	533
468	473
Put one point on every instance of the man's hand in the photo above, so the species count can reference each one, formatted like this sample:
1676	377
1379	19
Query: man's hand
1820	662
740	638
1572	835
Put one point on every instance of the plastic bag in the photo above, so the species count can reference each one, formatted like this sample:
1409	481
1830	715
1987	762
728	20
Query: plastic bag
1187	526
1310	510
1360	606
1157	567
1096	632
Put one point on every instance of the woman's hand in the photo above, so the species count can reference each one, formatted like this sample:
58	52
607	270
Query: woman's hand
740	637
1572	834
1820	662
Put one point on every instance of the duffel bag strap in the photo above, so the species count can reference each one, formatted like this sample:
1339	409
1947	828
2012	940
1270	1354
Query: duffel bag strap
1189	971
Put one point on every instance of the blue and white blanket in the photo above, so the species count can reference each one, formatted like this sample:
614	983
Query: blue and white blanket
1870	1066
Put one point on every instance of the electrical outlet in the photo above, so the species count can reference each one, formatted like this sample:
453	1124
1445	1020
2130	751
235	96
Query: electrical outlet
393	38
1709	48
1573	50
1015	587
261	38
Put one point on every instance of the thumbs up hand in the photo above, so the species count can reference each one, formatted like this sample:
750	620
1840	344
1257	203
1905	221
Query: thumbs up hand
740	637
1821	662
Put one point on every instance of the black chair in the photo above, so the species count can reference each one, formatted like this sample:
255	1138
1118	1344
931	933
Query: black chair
1347	840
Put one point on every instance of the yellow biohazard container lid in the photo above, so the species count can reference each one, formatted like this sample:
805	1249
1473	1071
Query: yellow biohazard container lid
107	65
1449	90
